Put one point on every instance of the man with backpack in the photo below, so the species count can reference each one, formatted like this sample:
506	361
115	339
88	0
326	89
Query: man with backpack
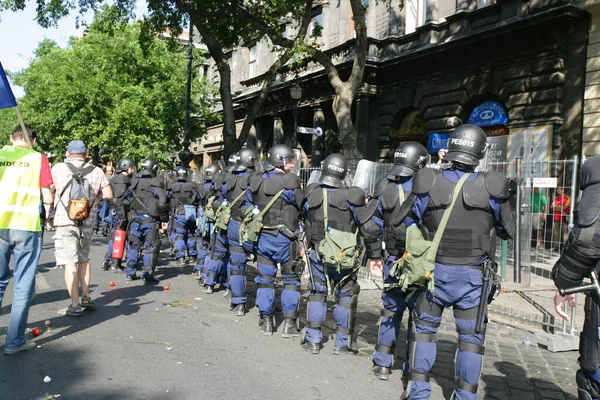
149	208
277	197
183	195
390	192
119	183
473	205
205	222
334	216
79	187
229	221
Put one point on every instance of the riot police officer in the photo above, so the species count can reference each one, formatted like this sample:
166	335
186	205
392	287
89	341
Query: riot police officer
334	211
217	263
481	206
205	224
390	192
120	183
580	257
277	243
149	208
234	191
183	196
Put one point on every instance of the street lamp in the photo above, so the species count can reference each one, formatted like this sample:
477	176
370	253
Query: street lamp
186	156
296	95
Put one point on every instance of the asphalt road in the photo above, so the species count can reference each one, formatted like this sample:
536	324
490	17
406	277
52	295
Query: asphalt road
147	343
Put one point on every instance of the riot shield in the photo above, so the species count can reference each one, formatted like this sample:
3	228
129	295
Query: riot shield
365	176
314	177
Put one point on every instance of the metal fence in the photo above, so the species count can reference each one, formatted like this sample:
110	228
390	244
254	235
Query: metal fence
547	195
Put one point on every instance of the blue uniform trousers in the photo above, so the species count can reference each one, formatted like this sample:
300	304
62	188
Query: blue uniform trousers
458	287
317	302
183	237
216	271
394	305
273	250
142	237
238	255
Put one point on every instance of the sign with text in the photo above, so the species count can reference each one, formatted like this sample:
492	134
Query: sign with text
437	141
545	182
488	113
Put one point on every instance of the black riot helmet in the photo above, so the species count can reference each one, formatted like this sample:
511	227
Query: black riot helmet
409	157
280	155
125	164
232	161
334	170
148	167
210	171
248	158
181	174
467	145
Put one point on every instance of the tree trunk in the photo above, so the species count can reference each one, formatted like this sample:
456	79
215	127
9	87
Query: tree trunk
342	108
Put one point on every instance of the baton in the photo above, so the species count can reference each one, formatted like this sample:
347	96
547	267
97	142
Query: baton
485	278
301	238
594	286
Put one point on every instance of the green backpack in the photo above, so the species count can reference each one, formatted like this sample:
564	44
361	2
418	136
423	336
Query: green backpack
223	213
339	249
415	268
253	221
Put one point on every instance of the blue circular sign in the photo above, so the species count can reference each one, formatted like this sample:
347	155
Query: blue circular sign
488	113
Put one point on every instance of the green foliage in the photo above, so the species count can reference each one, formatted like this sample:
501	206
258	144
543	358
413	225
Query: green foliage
8	121
106	90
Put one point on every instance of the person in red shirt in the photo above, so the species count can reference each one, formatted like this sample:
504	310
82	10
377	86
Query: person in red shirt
561	207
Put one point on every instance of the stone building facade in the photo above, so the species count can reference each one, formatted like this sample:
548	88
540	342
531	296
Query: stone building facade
515	67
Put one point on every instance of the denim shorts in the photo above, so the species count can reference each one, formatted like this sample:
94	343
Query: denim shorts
72	244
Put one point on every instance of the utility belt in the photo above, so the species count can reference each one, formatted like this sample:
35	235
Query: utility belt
284	230
464	261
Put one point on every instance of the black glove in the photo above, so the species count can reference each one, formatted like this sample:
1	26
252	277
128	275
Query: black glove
123	224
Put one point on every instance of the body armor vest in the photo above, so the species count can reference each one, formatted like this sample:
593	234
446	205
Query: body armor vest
236	184
466	239
183	193
144	201
388	193
204	192
263	190
338	212
120	185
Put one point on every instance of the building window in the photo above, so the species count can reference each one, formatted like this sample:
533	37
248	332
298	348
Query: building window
485	3
416	14
315	28
252	67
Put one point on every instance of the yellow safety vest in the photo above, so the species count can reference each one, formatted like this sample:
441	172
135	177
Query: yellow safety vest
20	189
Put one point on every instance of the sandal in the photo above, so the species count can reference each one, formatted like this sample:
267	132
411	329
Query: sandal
76	311
87	303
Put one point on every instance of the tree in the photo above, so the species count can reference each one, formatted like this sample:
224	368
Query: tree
345	90
8	121
117	90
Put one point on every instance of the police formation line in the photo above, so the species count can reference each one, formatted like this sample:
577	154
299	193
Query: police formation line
429	233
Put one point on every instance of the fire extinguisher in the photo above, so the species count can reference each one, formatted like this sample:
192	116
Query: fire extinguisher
119	244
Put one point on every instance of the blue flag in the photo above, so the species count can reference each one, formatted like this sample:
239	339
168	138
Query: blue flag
7	98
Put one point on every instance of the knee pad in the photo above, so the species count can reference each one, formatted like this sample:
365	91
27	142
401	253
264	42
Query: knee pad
352	307
318	298
589	351
380	347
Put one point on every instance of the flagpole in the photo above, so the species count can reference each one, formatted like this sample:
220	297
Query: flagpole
23	127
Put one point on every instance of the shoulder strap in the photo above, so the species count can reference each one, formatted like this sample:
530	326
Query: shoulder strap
325	207
138	199
270	203
438	234
240	196
401	193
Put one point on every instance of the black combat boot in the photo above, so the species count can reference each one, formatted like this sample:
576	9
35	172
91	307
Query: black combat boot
182	262
267	324
380	372
151	280
342	350
208	289
105	265
290	328
586	389
311	347
239	309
